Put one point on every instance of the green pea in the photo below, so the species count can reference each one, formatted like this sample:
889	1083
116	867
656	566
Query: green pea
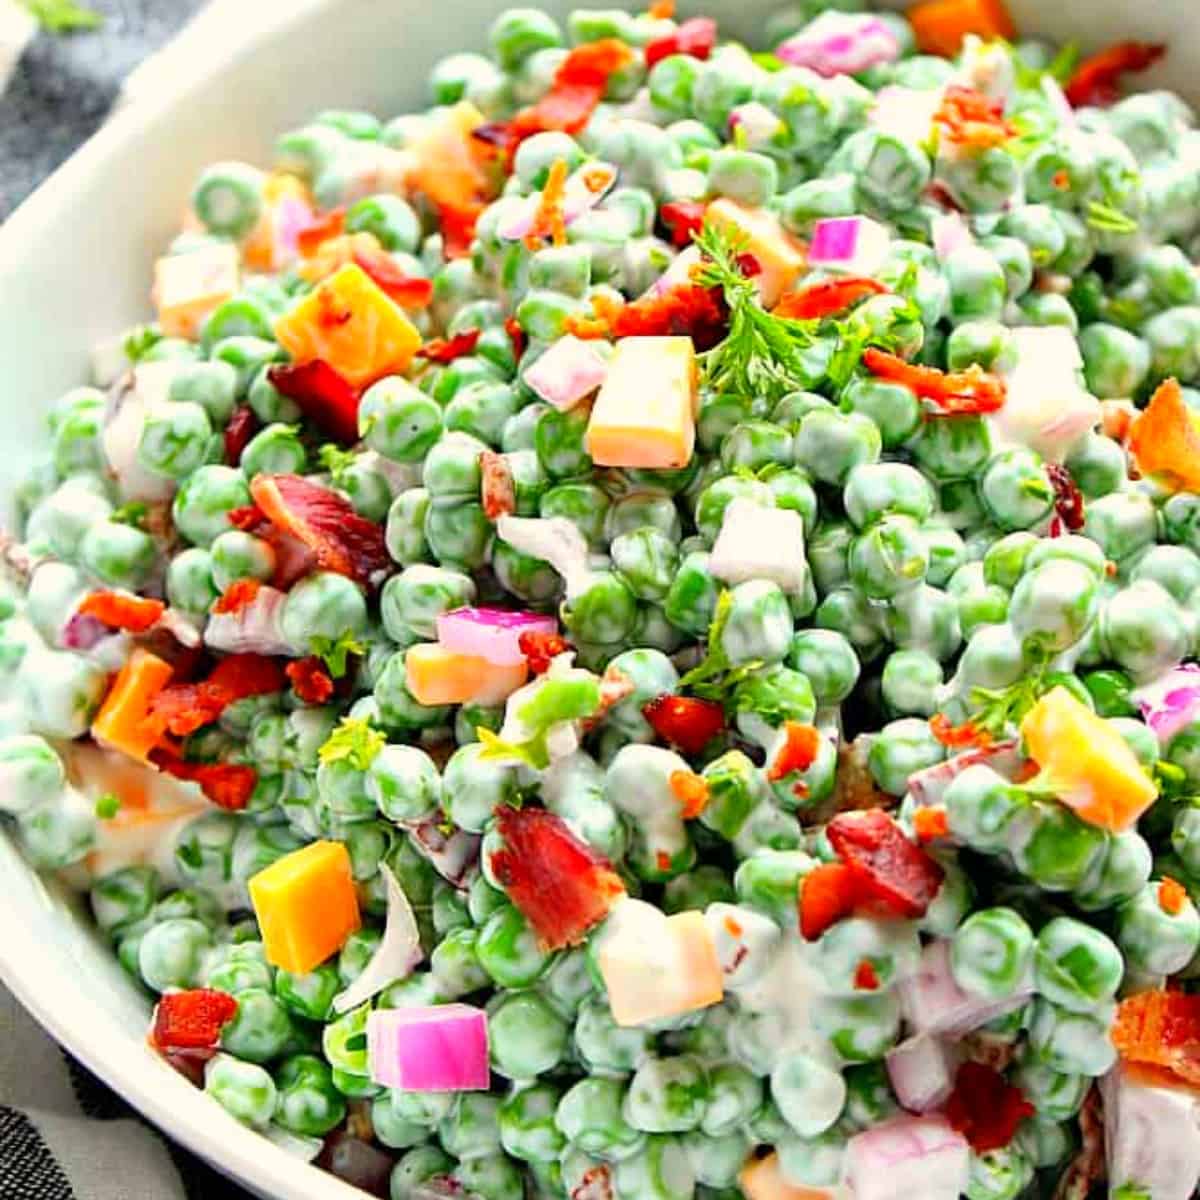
120	555
508	950
246	1091
1075	965
526	1036
204	500
1015	491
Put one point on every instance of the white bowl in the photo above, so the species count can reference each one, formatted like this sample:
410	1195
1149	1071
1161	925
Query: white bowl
74	266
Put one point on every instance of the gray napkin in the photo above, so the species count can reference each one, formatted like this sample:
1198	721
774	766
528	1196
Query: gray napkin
63	87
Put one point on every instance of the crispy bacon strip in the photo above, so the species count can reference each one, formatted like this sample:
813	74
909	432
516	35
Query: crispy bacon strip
971	391
339	538
827	297
1096	79
122	610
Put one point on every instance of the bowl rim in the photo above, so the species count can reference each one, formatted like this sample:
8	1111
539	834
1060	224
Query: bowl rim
29	969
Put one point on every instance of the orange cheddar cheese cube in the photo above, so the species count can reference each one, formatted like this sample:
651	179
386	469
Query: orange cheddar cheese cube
353	325
763	1179
287	208
445	161
645	415
941	26
435	675
1087	761
187	287
780	257
123	722
306	906
656	966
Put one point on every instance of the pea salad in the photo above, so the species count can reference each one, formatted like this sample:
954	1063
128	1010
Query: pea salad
630	635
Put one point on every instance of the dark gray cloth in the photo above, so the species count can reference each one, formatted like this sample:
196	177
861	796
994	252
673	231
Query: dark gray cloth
63	87
63	1134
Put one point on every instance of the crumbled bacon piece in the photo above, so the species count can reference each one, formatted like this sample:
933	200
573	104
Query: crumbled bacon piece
866	978
516	335
243	425
559	884
1172	896
193	1019
683	218
1164	438
185	707
578	87
971	119
1068	499
798	752
684	721
457	223
329	225
1160	1029
595	1184
691	790
122	610
310	680
227	785
929	824
971	391
446	350
328	400
1096	79
683	310
540	649
498	491
827	297
695	38
409	291
339	538
548	220
237	596
828	893
248	517
891	872
985	1108
958	737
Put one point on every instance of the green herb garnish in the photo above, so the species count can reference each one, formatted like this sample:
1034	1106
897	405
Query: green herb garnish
107	806
1105	218
334	652
354	741
63	16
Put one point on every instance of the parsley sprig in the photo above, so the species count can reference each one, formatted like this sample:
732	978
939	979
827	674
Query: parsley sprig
998	710
334	652
336	461
140	341
1107	218
762	353
715	677
63	16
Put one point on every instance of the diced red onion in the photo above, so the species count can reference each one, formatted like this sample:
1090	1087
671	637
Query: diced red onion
857	245
570	371
949	232
580	195
431	1048
129	402
928	786
254	629
678	272
1170	702
758	123
922	1072
907	1157
454	856
904	112
839	43
395	956
491	633
1151	1136
933	1003
83	632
